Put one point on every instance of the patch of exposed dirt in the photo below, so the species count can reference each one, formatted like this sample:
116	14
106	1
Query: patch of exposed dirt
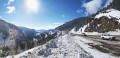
107	48
98	47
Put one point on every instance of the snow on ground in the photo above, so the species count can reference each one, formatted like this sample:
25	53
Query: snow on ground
62	47
25	52
45	35
116	32
96	54
80	31
66	46
110	13
96	33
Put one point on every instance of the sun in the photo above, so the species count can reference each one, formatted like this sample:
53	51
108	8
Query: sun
32	6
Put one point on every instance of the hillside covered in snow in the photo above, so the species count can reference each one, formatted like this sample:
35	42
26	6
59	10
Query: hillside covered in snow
107	21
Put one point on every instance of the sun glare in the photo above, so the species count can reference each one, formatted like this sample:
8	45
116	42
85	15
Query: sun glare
32	6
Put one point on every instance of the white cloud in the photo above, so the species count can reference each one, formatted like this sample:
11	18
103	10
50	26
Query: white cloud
45	27
11	9
32	6
63	15
108	2
92	6
42	27
0	17
10	1
79	11
50	27
58	23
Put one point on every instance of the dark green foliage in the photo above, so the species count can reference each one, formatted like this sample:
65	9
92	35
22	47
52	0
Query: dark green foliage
5	51
115	4
4	28
43	41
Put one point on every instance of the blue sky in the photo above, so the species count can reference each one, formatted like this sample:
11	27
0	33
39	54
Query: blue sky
47	14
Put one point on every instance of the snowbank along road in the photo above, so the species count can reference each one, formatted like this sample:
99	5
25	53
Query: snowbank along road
74	46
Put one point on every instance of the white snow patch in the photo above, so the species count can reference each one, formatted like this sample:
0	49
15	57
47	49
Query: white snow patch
21	54
110	13
45	35
116	32
81	30
51	32
98	25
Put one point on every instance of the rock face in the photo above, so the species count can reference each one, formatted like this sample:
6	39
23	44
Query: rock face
109	19
103	24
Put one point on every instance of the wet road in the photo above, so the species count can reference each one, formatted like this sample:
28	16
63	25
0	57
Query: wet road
106	46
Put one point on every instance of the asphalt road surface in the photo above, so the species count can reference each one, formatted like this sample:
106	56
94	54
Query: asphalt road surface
106	46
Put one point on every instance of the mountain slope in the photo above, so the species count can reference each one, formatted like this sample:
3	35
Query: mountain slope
31	32
11	34
76	23
105	20
63	29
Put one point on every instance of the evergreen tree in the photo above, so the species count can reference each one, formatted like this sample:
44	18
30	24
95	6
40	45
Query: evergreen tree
26	46
12	50
19	49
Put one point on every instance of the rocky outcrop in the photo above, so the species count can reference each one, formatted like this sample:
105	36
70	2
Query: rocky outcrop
103	24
